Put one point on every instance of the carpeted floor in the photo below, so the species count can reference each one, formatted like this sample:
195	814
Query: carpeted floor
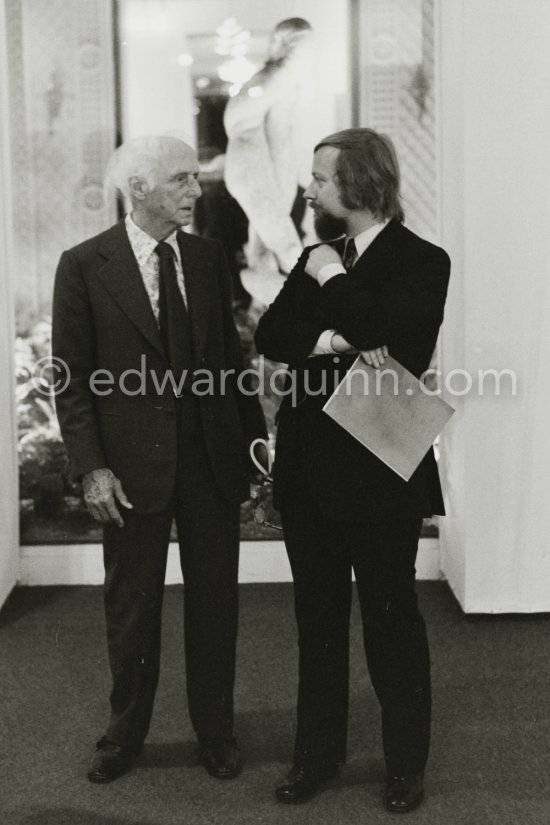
491	744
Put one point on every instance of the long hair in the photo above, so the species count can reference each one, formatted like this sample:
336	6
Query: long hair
367	172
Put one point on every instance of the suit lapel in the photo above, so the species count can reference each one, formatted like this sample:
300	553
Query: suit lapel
121	277
378	260
198	289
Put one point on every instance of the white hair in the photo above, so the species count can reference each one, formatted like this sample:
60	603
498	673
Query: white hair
139	157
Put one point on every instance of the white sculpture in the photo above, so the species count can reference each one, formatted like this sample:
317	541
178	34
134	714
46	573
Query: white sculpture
261	162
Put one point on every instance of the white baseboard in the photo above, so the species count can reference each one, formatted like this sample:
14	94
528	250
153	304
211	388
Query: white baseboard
260	561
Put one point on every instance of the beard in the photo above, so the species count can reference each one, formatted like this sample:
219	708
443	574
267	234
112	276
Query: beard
327	226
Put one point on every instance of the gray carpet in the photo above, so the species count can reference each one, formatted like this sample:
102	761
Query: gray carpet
490	754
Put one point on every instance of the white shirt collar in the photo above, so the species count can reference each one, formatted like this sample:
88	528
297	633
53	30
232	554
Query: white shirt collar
144	244
364	239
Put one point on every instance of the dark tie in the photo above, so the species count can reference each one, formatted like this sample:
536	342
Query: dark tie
173	317
350	254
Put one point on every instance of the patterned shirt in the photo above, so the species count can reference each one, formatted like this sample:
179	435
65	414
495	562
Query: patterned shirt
143	246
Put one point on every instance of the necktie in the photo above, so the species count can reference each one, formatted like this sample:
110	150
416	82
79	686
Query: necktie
350	254
173	318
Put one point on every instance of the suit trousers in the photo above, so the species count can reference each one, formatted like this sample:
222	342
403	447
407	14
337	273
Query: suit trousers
135	567
322	553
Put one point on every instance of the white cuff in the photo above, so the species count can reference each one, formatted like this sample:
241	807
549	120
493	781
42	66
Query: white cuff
328	271
323	347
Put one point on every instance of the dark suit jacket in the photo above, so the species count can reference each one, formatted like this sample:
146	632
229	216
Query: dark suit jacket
394	295
103	320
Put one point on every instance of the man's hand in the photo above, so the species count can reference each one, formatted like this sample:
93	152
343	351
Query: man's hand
375	357
372	357
320	257
101	488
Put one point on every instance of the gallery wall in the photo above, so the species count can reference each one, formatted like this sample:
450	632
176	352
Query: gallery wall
495	99
9	504
62	130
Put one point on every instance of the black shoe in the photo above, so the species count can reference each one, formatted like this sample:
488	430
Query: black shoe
111	760
404	793
221	757
304	783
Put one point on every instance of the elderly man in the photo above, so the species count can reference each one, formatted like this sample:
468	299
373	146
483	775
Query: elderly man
157	424
341	507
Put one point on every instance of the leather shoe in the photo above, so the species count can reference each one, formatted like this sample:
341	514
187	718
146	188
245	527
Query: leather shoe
304	783
221	757
111	760
404	793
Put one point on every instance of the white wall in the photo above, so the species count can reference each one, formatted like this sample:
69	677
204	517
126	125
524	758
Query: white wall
156	93
495	99
9	538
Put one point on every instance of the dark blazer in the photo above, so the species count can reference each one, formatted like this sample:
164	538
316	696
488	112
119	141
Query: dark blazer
394	295
103	320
